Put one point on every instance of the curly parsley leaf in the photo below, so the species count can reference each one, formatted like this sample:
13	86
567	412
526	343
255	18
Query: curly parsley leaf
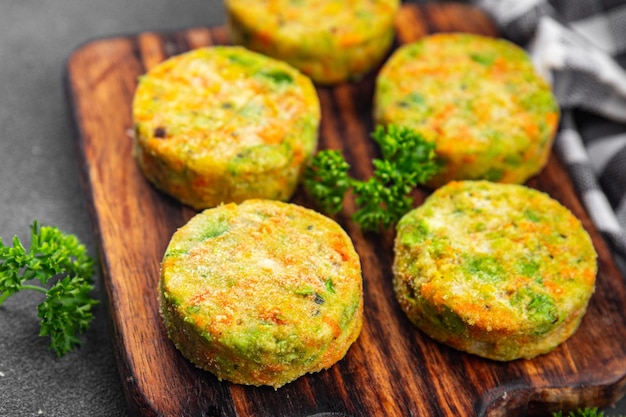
53	255
408	160
326	178
581	412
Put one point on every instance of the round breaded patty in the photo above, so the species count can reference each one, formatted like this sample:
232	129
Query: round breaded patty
224	124
502	271
478	99
262	292
329	40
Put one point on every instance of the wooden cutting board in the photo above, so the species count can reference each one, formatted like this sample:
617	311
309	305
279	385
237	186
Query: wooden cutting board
392	369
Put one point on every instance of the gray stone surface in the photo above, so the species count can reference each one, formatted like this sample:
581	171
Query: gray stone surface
39	179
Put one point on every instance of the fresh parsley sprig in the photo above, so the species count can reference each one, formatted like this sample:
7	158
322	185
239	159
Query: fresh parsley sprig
408	160
582	412
66	310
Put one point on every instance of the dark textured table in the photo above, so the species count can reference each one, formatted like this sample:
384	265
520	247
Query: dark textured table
39	179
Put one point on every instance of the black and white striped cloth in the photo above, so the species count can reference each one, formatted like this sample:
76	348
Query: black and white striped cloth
580	47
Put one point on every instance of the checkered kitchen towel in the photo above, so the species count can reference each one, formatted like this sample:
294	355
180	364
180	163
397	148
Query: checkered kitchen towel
580	47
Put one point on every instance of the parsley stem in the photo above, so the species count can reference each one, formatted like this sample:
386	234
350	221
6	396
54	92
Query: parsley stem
34	287
6	294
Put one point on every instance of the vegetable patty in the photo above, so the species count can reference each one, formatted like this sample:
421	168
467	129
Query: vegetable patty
498	270
478	99
224	124
262	292
329	40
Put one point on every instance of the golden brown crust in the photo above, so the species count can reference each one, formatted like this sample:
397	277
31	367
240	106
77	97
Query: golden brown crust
499	270
262	292
224	124
329	40
478	99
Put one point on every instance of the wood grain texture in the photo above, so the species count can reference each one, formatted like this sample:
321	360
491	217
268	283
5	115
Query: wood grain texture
392	369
